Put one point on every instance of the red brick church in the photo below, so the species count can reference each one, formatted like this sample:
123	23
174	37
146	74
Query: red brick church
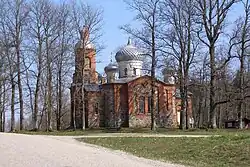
123	97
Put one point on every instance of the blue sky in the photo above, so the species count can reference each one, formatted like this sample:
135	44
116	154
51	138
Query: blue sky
116	13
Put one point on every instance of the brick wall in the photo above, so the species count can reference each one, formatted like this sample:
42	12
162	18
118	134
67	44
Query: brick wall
165	116
94	109
109	109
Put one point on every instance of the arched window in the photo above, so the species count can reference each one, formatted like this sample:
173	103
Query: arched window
87	63
142	105
125	71
96	108
149	104
134	71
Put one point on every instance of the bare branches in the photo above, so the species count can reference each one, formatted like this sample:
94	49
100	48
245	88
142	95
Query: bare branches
147	14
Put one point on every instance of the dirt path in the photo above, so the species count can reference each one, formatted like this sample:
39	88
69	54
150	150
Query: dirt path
17	150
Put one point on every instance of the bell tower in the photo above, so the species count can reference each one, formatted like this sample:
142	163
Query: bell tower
85	61
85	70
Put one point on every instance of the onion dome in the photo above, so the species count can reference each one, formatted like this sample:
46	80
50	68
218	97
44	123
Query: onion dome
129	52
111	67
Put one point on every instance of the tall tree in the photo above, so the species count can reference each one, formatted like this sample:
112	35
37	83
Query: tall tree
180	42
7	45
240	45
16	17
147	13
212	18
50	27
63	59
87	23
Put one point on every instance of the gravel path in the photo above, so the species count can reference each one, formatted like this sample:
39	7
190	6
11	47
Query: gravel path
18	150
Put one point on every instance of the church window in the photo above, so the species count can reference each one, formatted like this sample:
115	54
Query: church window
135	103
142	105
134	71
167	99
87	63
149	104
125	71
96	108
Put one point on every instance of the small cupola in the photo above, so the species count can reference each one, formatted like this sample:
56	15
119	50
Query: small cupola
111	71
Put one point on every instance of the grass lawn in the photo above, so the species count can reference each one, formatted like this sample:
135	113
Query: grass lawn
142	130
225	151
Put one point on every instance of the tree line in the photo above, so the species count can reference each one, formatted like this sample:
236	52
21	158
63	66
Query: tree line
195	40
37	41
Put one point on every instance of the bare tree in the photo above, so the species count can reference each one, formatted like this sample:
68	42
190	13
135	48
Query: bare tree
212	19
63	59
37	35
17	13
180	42
50	27
3	85
147	13
7	51
87	22
239	46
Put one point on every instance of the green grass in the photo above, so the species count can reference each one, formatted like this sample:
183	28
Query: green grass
136	130
60	133
225	151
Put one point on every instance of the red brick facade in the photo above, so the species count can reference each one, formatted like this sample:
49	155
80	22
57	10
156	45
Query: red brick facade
124	104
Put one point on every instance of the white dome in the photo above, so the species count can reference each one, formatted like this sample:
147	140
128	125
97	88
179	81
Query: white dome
111	67
129	52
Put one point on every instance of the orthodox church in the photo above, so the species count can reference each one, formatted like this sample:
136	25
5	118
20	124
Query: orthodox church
123	97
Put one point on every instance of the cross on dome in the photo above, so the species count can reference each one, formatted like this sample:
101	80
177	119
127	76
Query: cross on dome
111	57
129	41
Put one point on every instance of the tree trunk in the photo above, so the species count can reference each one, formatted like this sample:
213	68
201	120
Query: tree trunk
13	86
59	108
20	88
74	109
212	114
49	87
1	106
35	121
18	56
241	84
37	89
153	67
183	100
244	39
49	100
82	87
